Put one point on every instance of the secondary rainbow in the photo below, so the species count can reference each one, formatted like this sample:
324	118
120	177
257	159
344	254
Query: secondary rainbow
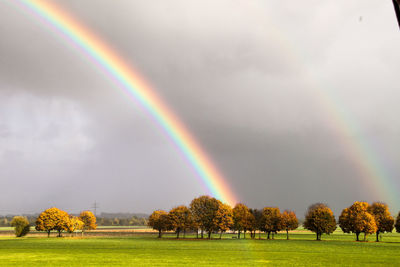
373	173
130	80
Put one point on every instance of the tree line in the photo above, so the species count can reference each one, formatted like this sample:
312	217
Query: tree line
54	219
120	221
208	215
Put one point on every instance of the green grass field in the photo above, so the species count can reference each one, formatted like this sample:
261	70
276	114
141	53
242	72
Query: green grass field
146	249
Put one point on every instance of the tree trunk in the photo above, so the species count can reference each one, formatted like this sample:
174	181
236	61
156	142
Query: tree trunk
159	234
357	234
209	235
220	235
259	235
202	234
184	233
177	234
239	234
365	237
244	234
377	236
59	233
48	233
197	233
287	234
268	235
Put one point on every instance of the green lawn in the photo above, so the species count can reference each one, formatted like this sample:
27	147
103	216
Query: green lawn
146	249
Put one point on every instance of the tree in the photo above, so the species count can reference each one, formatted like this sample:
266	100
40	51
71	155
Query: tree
74	223
89	221
251	224
368	224
62	222
289	222
319	219
223	220
259	221
52	219
384	221
181	219
21	225
241	218
160	220
272	219
397	225
204	210
356	219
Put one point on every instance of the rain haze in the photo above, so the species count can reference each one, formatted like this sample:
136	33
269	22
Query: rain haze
293	102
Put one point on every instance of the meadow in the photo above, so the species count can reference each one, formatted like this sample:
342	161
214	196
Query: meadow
141	249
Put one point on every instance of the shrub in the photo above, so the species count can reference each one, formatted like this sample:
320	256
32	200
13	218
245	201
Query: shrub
21	225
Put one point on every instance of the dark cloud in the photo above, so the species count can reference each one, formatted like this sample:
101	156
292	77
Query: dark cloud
259	83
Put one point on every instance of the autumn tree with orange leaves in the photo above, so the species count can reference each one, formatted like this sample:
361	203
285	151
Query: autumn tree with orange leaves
52	219
223	220
384	221
289	222
204	210
242	219
160	220
181	219
356	219
320	220
272	220
89	220
74	223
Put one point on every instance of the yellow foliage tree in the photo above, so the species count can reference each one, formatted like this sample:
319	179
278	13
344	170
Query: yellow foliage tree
356	219
367	223
223	219
160	220
74	223
320	220
272	220
52	219
181	219
204	209
89	220
384	221
289	222
242	218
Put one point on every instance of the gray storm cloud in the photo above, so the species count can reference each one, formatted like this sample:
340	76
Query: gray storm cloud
244	76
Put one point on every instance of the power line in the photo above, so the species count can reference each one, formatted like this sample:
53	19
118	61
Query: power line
95	207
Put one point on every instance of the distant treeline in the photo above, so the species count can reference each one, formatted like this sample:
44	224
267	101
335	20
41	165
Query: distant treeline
5	221
121	221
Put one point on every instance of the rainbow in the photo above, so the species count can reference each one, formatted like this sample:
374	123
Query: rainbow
371	170
372	173
130	81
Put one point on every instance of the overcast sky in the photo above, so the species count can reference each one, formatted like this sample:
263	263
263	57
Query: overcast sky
258	83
